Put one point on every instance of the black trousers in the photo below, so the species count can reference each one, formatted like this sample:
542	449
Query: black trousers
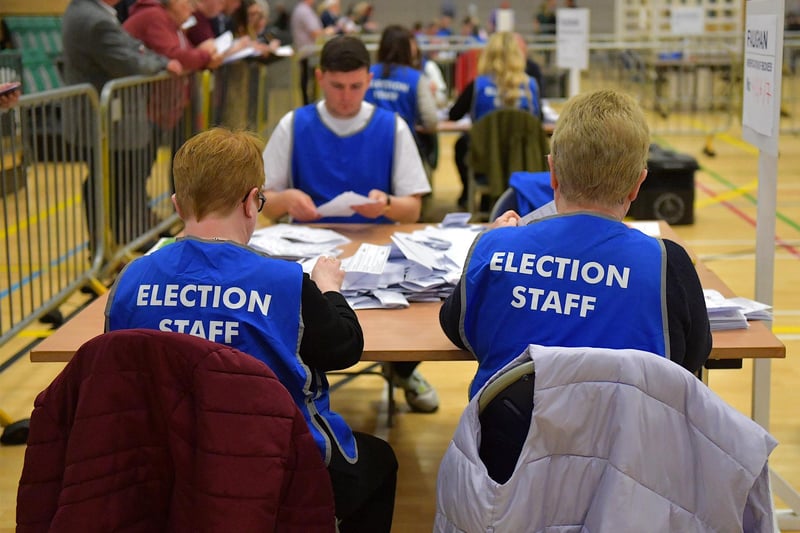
460	155
304	71
364	491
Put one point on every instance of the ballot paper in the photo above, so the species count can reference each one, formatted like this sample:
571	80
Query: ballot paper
340	206
290	241
648	227
455	220
191	22
284	51
223	42
733	313
245	52
548	209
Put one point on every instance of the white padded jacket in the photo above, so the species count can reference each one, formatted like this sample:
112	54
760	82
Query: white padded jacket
619	441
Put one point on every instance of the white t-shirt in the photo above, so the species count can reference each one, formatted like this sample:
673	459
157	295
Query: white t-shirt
408	174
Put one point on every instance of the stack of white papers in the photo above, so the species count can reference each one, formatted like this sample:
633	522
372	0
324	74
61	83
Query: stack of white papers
423	266
291	241
733	313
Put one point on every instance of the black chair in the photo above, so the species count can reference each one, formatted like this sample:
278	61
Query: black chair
507	200
505	409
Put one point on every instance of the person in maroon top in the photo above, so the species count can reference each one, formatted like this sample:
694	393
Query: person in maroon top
157	23
205	13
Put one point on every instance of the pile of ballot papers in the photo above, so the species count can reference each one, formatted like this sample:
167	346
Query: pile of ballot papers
422	266
733	313
295	241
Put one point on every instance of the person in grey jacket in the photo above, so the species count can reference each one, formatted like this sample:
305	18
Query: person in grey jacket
96	50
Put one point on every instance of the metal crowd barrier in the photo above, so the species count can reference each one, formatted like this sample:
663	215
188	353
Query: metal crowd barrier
250	94
45	253
145	120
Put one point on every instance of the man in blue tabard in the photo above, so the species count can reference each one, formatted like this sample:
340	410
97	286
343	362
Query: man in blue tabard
581	277
345	144
210	284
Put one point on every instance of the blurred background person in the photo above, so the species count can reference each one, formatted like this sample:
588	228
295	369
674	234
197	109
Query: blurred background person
306	28
206	24
9	99
362	17
501	83
330	11
544	22
398	85
157	23
97	50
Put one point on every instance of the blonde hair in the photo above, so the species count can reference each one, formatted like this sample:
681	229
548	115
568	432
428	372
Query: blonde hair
215	169
599	147
503	60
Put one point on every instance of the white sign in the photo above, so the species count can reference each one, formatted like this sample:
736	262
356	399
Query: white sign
504	20
761	74
687	20
572	38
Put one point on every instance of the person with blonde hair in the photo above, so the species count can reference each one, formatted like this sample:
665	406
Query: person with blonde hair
501	83
211	284
574	278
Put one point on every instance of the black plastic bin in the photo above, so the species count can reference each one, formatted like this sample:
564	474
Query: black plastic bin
668	192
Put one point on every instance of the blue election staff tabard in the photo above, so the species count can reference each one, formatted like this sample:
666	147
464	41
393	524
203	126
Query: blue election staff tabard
485	99
230	294
325	165
569	280
397	92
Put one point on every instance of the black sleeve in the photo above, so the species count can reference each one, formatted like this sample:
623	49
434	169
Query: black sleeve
332	337
689	331
450	316
463	103
532	69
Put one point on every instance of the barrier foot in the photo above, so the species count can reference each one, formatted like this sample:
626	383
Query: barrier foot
786	519
13	432
708	149
95	286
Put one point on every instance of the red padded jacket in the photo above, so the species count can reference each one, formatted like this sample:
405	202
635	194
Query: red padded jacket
151	431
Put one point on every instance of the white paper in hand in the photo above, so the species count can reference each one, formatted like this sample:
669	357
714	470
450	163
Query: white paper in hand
340	206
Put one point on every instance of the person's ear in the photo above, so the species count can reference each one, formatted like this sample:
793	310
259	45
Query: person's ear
553	178
635	192
318	74
250	211
176	206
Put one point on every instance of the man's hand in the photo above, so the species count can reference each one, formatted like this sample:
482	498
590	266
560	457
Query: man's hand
214	62
509	218
174	67
328	274
300	206
209	45
381	207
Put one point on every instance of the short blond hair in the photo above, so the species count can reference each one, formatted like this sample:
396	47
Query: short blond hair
599	147
215	169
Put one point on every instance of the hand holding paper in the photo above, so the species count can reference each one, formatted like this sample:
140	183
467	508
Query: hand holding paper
341	205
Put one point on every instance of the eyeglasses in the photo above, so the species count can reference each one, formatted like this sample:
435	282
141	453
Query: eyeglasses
261	199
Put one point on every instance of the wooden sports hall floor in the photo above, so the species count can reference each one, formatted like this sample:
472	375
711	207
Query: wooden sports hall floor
723	236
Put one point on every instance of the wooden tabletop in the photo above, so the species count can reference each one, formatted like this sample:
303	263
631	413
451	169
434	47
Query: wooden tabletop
413	333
